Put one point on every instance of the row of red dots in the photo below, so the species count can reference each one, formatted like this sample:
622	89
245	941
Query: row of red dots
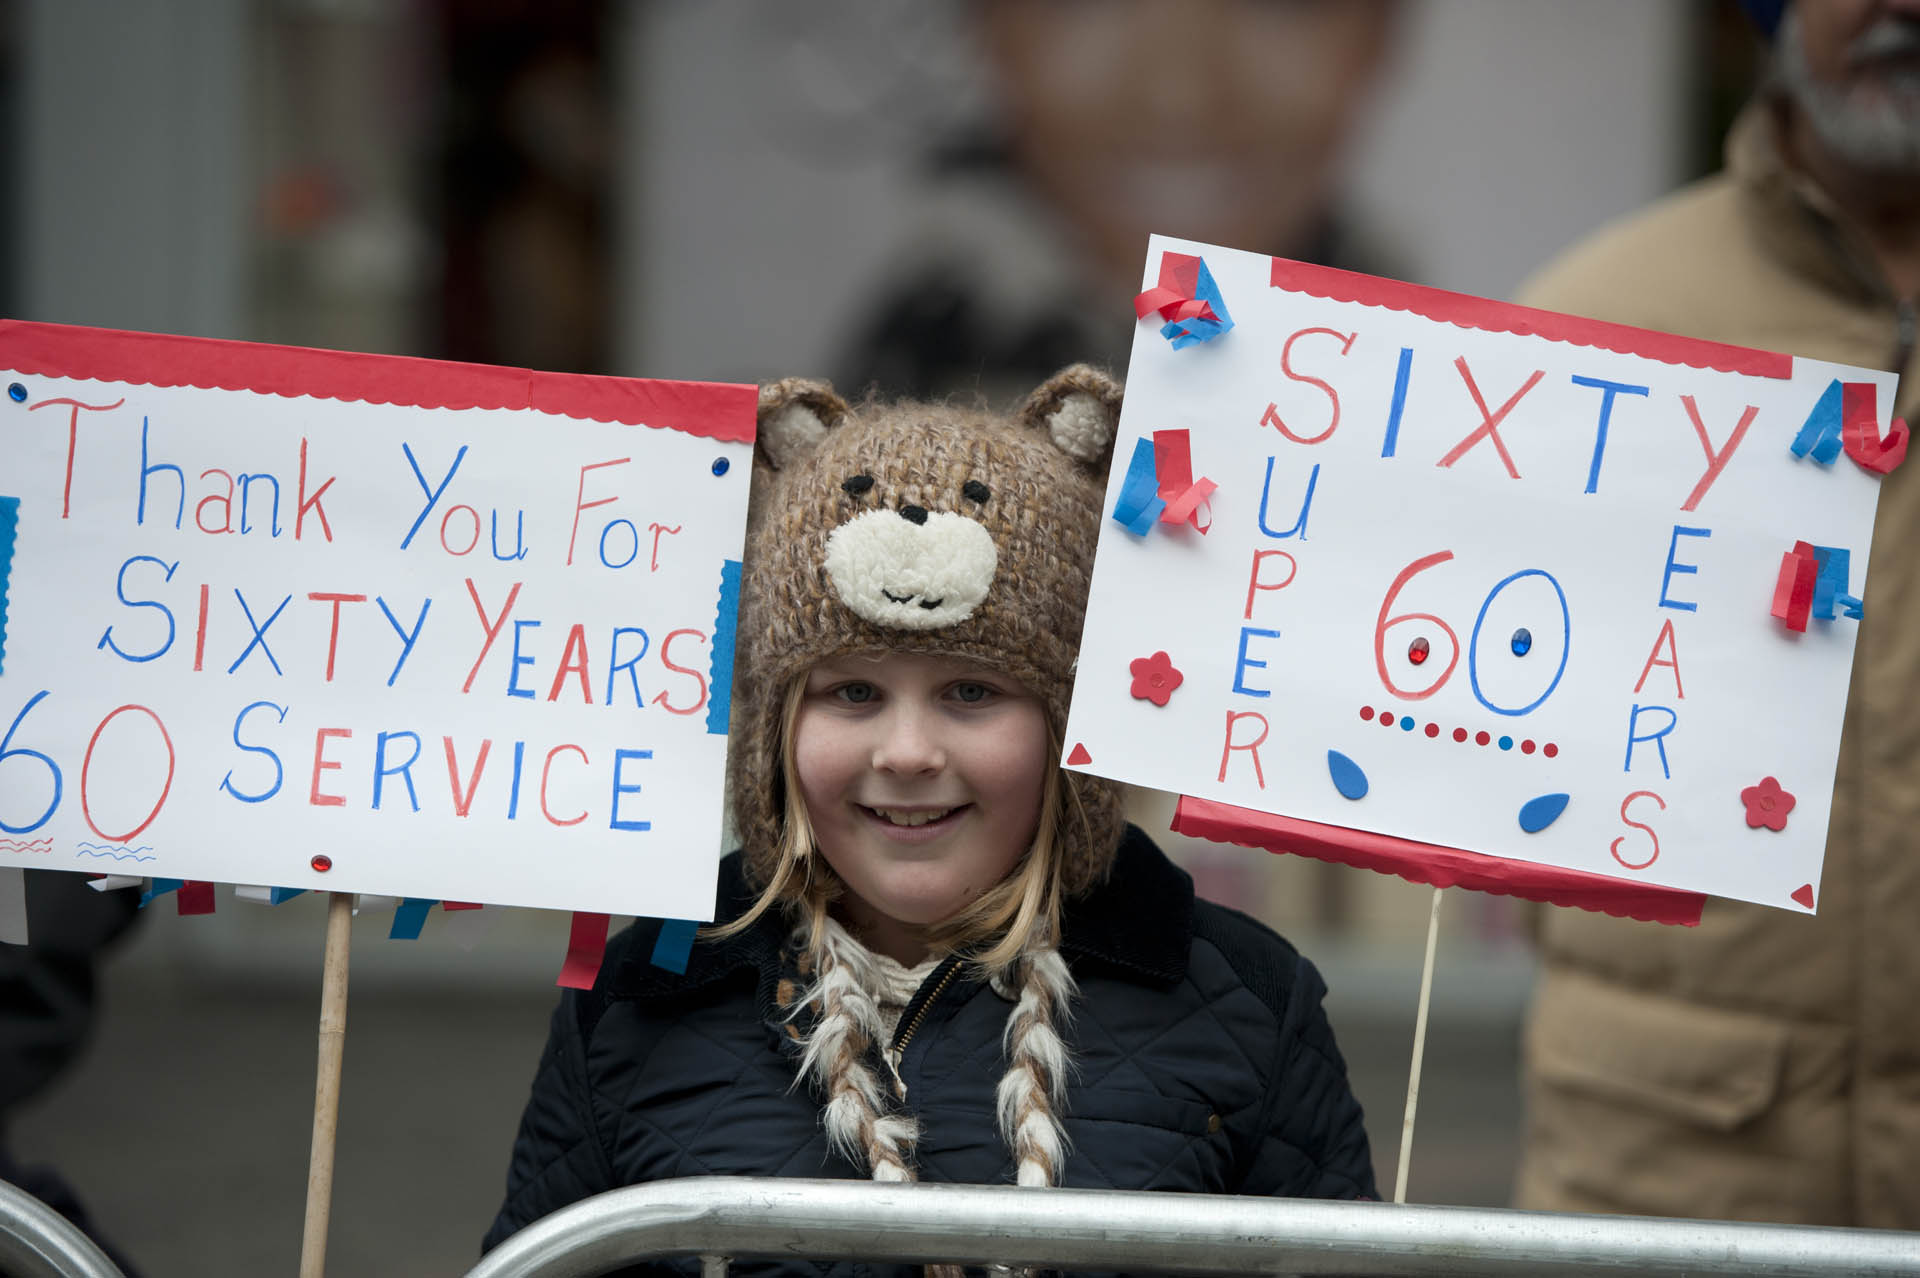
1408	723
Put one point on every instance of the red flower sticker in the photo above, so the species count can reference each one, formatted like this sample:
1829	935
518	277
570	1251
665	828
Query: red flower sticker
1767	804
1154	678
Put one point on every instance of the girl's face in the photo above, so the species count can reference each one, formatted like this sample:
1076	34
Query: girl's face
923	777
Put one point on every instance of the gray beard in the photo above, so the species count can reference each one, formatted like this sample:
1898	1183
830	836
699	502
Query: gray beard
1873	127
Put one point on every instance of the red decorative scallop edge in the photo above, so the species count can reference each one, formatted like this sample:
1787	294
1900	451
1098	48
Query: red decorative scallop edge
1466	311
1438	866
713	410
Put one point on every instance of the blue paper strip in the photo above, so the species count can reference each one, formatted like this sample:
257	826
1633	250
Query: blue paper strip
674	944
1186	332
9	524
1138	507
159	888
409	918
276	895
1830	586
1828	448
720	676
1823	584
1821	435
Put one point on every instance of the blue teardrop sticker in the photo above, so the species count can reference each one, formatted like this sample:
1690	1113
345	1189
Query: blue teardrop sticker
1537	814
1348	779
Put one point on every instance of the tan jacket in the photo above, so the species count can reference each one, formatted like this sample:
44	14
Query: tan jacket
1765	1065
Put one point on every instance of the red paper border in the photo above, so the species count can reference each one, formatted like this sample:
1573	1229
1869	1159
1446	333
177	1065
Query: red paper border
1438	866
1467	311
714	410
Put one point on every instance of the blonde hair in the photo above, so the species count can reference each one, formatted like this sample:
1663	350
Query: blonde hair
1010	932
1014	915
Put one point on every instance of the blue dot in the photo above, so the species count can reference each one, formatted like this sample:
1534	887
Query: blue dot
1506	743
1407	723
719	465
17	393
1522	642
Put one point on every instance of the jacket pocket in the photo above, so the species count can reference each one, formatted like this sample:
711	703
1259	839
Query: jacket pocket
1651	1105
1144	1109
1142	1140
1707	1067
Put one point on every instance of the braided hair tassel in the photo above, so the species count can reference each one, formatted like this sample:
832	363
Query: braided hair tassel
1032	1092
858	1124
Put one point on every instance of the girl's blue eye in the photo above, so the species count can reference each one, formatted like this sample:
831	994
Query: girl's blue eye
971	693
857	693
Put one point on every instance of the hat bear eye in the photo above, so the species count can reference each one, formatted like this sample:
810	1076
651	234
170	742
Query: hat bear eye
974	490
857	485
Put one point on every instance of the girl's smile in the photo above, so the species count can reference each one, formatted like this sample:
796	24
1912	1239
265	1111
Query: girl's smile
922	777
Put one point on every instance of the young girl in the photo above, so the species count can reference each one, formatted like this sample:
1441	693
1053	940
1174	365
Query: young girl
940	956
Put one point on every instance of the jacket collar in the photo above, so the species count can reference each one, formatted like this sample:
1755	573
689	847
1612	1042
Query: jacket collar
1138	922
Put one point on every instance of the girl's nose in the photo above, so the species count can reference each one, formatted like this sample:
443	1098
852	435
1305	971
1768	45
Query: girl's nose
909	743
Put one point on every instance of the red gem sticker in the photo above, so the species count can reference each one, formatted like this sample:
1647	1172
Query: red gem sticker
1804	895
1154	678
1417	651
1767	804
322	862
1079	758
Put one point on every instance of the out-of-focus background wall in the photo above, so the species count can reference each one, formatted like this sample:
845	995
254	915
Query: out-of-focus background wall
734	189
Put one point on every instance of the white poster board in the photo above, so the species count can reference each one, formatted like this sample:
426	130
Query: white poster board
364	624
1482	568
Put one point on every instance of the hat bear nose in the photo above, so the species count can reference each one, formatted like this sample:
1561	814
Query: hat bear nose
914	514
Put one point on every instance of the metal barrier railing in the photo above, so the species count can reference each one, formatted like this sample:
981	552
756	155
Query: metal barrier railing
722	1218
38	1242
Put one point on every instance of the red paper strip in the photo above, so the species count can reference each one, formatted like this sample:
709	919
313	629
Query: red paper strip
1186	507
713	410
586	947
1467	311
451	906
1438	866
1793	591
1174	296
1181	272
1860	429
1172	462
1173	473
195	897
1171	305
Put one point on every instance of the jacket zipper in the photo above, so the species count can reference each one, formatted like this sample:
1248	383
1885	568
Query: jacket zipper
910	1024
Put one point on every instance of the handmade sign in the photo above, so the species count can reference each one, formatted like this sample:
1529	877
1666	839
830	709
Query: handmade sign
1423	566
347	622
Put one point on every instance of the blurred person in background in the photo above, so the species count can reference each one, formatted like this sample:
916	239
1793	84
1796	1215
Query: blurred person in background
1218	120
49	1002
1766	1065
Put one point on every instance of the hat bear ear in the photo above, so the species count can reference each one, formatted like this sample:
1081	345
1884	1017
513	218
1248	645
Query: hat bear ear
1079	408
795	415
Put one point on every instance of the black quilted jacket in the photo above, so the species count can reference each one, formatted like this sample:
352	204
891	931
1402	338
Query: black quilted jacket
1203	1062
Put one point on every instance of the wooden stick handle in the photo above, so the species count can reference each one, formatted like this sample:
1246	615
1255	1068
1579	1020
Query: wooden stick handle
1419	1051
326	1087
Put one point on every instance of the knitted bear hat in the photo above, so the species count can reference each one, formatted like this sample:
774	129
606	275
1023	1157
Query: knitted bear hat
920	528
948	532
